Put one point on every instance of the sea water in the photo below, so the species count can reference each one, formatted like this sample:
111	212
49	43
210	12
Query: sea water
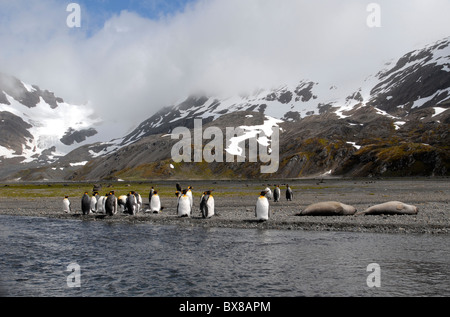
38	256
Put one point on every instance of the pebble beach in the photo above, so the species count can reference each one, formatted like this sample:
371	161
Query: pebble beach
430	195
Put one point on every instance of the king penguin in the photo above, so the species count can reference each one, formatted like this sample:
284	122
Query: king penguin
207	205
138	201
289	193
155	203
94	202
111	204
189	193
86	204
276	193
262	209
101	204
66	205
131	204
184	205
150	195
269	194
122	203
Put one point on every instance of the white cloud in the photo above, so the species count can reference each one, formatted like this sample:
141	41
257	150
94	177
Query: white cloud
133	66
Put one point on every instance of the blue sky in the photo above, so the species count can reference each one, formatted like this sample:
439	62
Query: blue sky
96	12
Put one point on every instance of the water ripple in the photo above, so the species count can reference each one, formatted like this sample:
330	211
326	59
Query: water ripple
168	261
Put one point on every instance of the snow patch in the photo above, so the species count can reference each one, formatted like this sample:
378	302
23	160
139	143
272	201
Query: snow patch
252	132
398	124
438	111
354	145
79	164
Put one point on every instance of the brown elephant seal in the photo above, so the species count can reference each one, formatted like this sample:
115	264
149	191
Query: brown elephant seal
390	208
329	208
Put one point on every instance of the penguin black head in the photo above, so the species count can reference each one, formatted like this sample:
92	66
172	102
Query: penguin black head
184	192
66	196
155	192
263	193
177	193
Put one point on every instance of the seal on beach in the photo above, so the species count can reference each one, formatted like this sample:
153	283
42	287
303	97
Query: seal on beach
289	193
86	204
184	205
111	204
66	205
276	193
155	203
390	208
207	205
329	208
262	208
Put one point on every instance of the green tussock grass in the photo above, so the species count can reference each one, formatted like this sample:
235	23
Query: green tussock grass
75	190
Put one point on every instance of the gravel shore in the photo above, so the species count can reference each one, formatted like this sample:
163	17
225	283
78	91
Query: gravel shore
431	196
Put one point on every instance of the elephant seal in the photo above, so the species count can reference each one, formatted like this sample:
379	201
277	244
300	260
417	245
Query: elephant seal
329	208
390	208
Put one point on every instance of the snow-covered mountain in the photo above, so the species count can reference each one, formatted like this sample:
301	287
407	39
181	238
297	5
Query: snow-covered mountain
36	127
405	103
417	80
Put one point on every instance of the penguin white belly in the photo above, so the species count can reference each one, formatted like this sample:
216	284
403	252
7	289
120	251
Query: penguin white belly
93	204
210	207
269	193
276	194
66	205
189	194
122	203
101	204
184	206
139	202
262	209
155	204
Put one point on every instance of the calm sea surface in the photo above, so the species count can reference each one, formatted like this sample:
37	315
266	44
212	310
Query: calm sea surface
169	261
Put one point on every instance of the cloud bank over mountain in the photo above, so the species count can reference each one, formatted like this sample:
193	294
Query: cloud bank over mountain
133	65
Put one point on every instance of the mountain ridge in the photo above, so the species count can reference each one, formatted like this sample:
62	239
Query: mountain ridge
385	127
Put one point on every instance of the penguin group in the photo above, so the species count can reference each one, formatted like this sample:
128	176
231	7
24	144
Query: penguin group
185	202
262	208
108	204
132	204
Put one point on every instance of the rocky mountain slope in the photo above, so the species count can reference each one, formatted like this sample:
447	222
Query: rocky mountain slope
395	124
36	127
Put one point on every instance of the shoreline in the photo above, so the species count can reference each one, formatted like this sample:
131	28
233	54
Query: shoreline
236	210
